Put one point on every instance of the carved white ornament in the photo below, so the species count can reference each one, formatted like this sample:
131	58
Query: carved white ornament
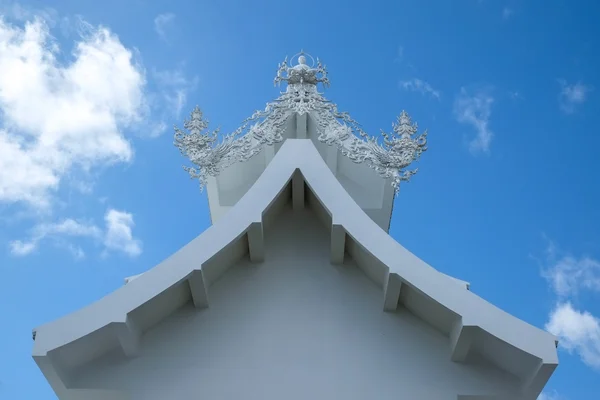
389	159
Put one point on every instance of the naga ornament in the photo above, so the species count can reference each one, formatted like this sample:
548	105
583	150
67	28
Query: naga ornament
389	155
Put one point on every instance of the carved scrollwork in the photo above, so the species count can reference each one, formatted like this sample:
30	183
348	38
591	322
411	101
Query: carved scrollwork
301	73
206	153
389	155
390	159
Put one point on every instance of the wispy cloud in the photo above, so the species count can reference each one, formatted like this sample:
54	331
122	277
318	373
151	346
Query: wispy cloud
550	395
162	23
568	275
119	236
399	54
475	109
65	228
19	12
175	87
572	95
507	12
418	85
515	95
116	236
402	61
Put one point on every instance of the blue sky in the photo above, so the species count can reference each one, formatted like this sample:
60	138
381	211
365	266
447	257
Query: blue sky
507	196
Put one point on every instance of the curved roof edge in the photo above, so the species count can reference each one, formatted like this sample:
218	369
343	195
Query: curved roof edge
478	326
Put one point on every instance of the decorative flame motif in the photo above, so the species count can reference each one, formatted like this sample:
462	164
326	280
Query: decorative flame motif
301	73
208	157
389	159
399	150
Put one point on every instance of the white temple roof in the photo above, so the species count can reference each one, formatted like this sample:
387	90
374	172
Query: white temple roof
370	168
472	325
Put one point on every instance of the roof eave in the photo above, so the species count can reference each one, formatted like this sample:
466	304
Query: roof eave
475	318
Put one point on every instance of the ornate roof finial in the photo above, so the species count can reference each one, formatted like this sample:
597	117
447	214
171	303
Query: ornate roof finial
389	157
302	73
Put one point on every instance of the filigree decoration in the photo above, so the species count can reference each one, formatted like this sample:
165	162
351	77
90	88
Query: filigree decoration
265	128
209	156
390	160
302	98
301	73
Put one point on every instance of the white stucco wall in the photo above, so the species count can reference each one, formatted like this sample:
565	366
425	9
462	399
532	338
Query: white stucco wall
293	327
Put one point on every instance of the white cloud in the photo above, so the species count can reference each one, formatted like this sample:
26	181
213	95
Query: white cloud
475	109
418	85
568	275
19	248
68	227
161	23
572	95
23	13
579	332
60	117
117	235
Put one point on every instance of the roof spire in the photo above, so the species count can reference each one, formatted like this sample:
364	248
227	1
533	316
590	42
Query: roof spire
389	158
302	73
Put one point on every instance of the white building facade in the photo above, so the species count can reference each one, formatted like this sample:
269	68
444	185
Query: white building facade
297	290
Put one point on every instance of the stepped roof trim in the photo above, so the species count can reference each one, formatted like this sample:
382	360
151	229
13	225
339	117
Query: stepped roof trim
390	156
472	324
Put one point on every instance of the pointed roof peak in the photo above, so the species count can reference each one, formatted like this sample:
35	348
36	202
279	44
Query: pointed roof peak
471	324
299	71
390	155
